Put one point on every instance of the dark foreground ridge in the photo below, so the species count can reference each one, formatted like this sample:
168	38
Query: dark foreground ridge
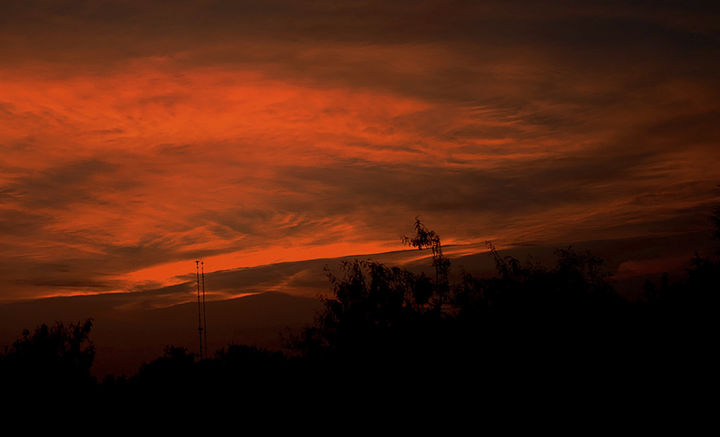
389	333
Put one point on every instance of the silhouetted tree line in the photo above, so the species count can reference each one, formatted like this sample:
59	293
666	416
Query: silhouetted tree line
387	327
55	358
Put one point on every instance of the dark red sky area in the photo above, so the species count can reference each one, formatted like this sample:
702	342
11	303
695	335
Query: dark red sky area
136	136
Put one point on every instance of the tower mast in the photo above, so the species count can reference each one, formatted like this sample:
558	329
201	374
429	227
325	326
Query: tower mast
200	328
202	267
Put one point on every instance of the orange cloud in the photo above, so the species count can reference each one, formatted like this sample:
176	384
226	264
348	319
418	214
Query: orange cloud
127	156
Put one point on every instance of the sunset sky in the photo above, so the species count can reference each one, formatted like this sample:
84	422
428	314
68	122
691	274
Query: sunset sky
138	136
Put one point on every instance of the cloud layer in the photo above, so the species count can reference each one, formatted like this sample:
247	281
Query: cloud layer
138	136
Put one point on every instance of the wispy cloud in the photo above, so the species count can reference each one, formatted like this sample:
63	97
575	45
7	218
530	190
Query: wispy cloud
134	141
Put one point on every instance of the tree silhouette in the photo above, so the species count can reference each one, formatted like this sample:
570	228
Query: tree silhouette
427	239
389	330
57	357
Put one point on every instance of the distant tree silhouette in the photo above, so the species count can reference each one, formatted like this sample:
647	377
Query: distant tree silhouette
252	372
175	371
57	357
248	369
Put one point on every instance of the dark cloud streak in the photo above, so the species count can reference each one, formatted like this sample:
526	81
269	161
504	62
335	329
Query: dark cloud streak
527	112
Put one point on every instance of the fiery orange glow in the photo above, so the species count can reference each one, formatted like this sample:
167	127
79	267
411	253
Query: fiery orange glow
268	138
